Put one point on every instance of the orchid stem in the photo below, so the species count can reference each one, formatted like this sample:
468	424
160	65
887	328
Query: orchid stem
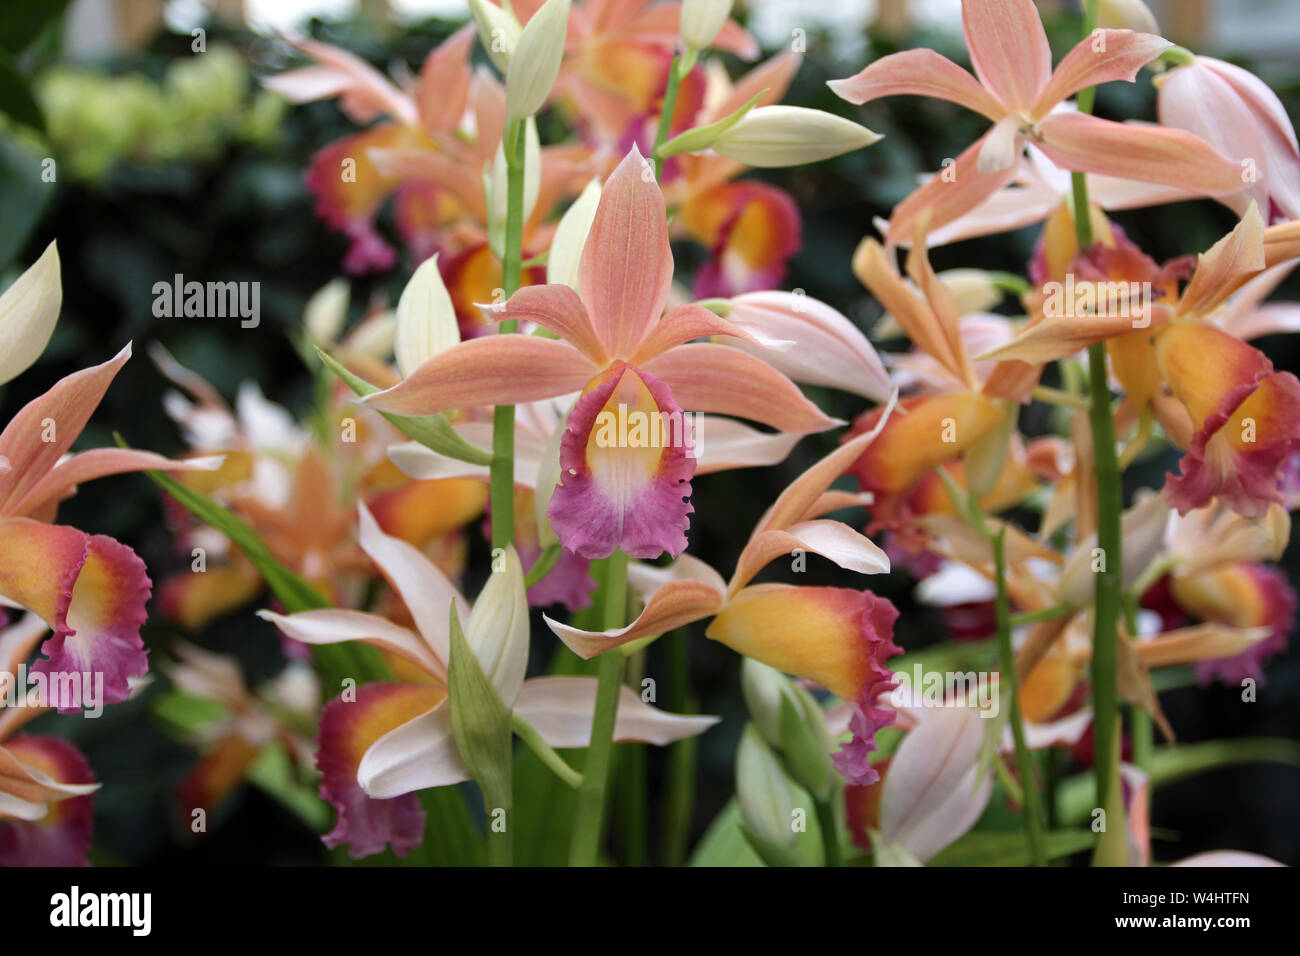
501	479
1109	581
1030	813
675	73
1042	614
681	755
545	753
590	810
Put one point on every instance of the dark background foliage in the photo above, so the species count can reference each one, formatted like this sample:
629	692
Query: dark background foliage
246	214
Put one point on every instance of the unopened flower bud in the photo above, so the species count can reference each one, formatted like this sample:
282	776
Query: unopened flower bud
426	319
791	136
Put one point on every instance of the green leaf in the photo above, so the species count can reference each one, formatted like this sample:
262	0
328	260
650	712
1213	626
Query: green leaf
21	21
273	772
432	431
1010	848
16	98
479	721
702	137
338	662
23	196
1076	796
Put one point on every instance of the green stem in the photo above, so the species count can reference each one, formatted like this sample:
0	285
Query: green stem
590	810
830	829
1031	813
631	788
553	761
1107	594
501	479
675	74
1042	614
681	755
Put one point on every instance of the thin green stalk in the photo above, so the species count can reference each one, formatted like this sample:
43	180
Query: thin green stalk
590	810
681	755
1031	814
631	787
1108	585
553	761
675	74
501	479
1042	614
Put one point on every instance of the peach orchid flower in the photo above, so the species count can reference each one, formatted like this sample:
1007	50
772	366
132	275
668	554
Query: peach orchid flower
626	359
1018	90
839	638
396	738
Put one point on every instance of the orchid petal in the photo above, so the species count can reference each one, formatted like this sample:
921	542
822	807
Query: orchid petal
920	72
340	626
1151	154
688	322
716	378
492	370
1008	49
1104	56
29	309
561	710
626	265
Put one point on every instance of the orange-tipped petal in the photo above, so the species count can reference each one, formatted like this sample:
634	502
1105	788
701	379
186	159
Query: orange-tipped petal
1226	266
90	590
443	90
689	322
687	590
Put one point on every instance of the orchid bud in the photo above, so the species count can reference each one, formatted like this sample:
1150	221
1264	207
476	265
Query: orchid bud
426	319
702	21
326	312
571	236
498	31
766	797
498	627
791	136
28	310
765	688
497	186
1126	15
972	289
535	62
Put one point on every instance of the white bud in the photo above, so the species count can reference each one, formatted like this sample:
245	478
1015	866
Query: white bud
791	136
28	311
702	21
326	312
570	237
1126	15
535	63
498	628
498	31
426	319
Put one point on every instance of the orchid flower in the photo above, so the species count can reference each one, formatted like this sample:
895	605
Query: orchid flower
628	362
1018	90
396	738
836	637
45	782
90	589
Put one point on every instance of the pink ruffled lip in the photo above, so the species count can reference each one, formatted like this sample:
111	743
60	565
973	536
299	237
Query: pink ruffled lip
365	824
626	465
1247	482
854	758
